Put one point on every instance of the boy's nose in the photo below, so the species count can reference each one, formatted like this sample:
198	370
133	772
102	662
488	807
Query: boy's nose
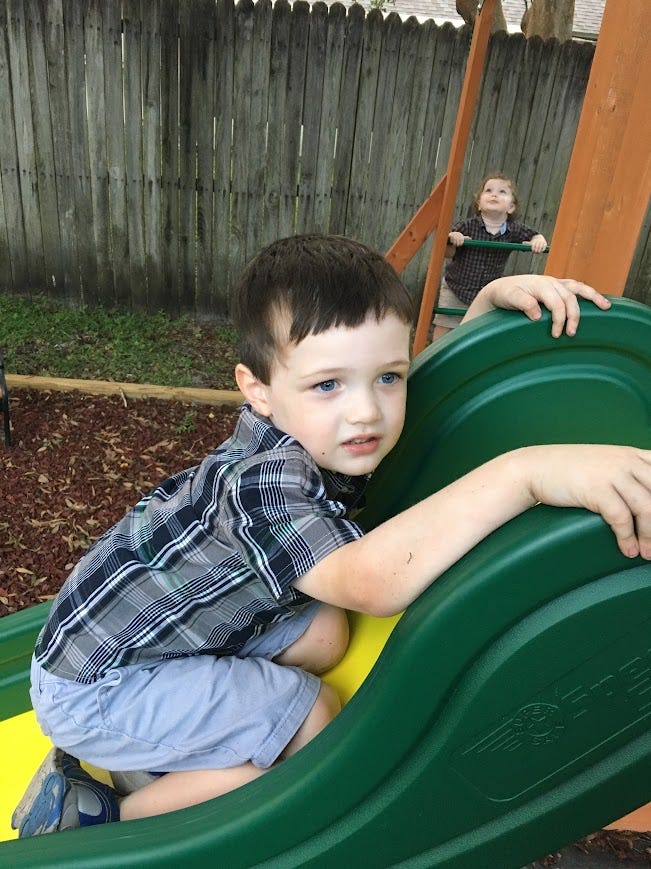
363	407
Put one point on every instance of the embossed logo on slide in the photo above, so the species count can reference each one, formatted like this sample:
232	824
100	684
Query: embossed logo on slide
571	717
538	723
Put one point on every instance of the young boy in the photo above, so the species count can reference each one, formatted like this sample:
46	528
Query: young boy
471	268
188	640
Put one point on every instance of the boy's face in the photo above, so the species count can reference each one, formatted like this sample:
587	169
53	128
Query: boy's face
496	198
341	393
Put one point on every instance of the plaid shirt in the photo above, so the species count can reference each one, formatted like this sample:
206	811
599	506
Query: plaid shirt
471	268
206	561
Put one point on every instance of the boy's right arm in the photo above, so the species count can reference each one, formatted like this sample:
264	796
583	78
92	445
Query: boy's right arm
389	567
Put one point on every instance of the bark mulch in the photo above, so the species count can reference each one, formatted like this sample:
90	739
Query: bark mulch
77	463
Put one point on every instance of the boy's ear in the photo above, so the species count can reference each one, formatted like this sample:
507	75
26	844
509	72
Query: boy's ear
253	389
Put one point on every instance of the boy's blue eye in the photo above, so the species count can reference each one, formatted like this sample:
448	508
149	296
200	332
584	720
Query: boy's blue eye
389	377
326	385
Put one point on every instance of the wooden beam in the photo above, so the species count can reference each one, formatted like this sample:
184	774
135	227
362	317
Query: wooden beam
608	184
126	390
419	228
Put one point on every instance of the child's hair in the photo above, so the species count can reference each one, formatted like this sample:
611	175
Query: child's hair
501	177
317	282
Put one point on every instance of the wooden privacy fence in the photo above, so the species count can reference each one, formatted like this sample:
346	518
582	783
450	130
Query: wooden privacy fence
148	148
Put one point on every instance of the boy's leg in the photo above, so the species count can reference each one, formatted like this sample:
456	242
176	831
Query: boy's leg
444	323
439	332
63	796
303	707
178	790
323	644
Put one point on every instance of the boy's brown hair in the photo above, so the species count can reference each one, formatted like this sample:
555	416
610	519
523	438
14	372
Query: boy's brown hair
501	177
314	282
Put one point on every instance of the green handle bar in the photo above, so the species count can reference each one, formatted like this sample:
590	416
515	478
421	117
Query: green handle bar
453	312
474	242
504	245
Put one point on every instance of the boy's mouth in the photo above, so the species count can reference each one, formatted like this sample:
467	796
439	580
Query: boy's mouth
361	446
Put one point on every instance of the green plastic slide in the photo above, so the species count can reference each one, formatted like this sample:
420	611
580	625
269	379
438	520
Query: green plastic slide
509	711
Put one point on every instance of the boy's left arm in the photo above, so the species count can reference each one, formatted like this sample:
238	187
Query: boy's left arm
527	293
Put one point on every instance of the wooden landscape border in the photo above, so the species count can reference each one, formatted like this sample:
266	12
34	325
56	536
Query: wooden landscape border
126	390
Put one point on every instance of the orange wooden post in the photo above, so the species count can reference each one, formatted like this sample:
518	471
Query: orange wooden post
608	184
422	224
474	68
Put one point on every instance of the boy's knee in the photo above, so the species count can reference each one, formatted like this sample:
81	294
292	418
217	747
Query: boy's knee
326	706
322	645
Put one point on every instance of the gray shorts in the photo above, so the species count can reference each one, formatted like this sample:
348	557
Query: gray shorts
190	713
447	299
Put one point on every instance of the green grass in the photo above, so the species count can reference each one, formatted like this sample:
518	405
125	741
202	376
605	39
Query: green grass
42	337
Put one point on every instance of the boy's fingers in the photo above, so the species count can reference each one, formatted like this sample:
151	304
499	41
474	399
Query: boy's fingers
641	506
564	305
644	538
527	303
620	519
585	291
629	511
565	313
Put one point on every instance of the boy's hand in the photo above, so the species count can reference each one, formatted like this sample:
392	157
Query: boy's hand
538	243
614	481
526	293
457	238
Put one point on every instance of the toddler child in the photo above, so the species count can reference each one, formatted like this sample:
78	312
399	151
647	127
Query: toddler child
471	268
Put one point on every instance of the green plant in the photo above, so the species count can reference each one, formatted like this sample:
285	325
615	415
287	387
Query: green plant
39	336
187	424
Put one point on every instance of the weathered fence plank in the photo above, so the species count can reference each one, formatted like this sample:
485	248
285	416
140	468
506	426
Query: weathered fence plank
132	62
527	64
402	127
440	100
412	183
359	180
77	144
379	163
25	142
292	127
151	153
457	64
328	130
225	46
261	50
278	65
149	149
312	104
97	123
187	160
15	262
43	154
169	183
203	101
346	117
241	156
115	152
57	85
